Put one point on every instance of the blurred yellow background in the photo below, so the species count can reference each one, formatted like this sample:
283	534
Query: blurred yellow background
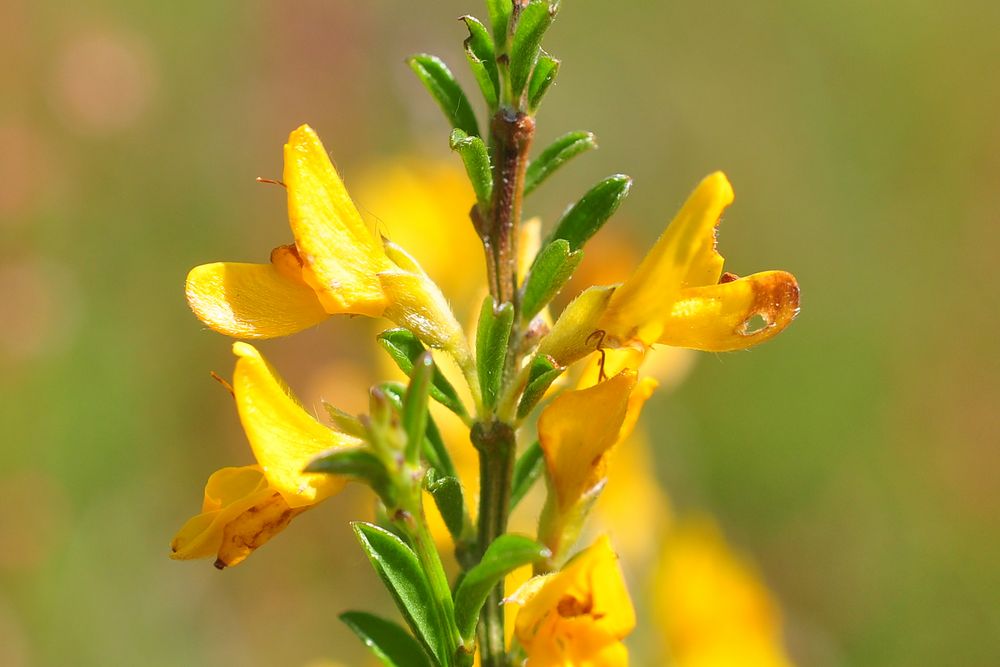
856	458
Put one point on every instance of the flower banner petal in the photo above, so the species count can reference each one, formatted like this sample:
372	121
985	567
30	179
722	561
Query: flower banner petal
284	437
683	256
733	315
251	300
339	251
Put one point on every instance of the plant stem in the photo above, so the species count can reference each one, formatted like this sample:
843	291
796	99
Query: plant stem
410	518
511	132
497	446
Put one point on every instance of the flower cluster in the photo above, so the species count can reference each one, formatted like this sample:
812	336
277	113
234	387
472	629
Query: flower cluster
582	373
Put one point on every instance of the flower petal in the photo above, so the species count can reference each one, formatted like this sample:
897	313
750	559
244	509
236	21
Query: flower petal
283	436
577	429
339	251
579	615
252	528
228	493
251	300
733	315
683	256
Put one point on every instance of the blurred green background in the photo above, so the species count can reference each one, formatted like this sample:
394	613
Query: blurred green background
856	457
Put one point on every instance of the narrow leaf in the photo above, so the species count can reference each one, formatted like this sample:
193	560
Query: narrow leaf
450	501
556	155
415	405
491	346
405	349
535	19
542	78
358	463
506	553
499	11
481	54
345	423
400	570
438	80
587	216
543	373
549	273
477	164
527	470
390	643
436	454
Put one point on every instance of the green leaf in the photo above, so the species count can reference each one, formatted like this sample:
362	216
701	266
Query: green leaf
543	373
415	405
587	216
400	571
500	11
491	346
506	553
405	349
390	643
359	463
527	470
438	80
345	422
542	78
477	164
551	269
437	454
534	20
482	57
450	501
556	155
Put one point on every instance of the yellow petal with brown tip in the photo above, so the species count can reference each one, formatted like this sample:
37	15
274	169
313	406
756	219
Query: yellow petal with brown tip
251	300
283	436
733	315
341	255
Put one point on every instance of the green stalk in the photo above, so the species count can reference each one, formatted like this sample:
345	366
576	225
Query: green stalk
497	446
410	518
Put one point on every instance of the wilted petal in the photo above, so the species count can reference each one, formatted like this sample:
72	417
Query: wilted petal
341	255
284	437
253	527
733	315
252	300
683	256
577	429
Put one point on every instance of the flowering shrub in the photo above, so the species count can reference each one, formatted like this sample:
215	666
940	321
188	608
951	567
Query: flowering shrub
521	372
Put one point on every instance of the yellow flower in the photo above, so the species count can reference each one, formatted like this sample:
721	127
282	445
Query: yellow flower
675	297
578	616
679	295
711	606
335	266
244	507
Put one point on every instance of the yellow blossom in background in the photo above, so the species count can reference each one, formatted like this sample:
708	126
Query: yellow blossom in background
710	605
245	506
578	616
